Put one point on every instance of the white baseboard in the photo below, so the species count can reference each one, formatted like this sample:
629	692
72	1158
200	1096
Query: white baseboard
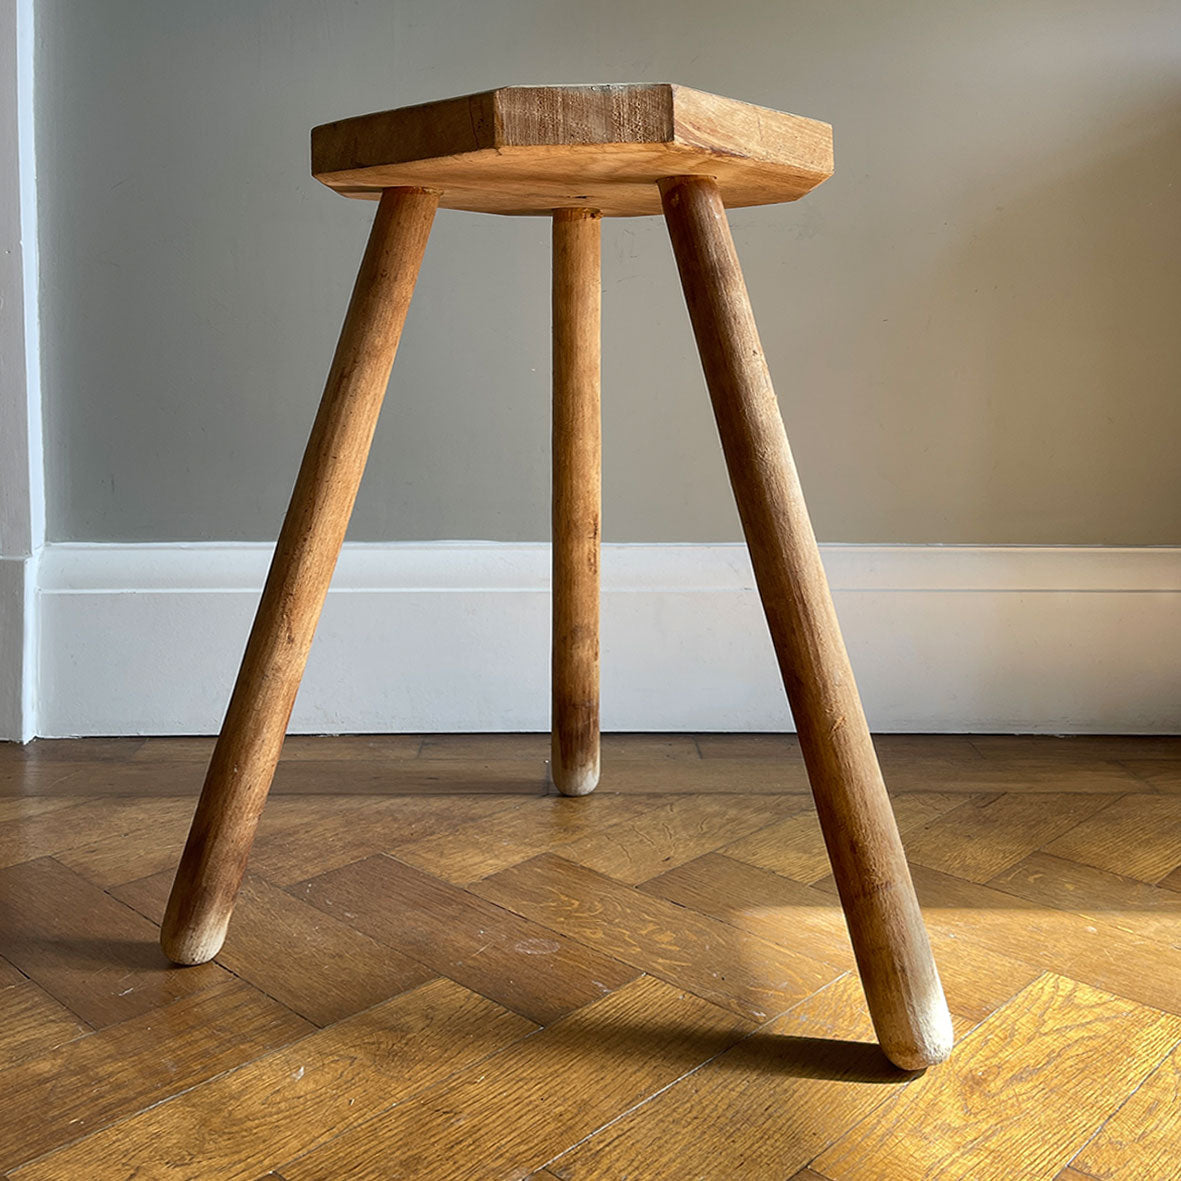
145	639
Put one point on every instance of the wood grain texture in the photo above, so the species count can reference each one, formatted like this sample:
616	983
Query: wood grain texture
26	837
1131	905
298	836
651	748
979	839
768	747
1074	749
44	751
794	846
763	1108
91	1081
1143	1138
68	779
416	777
482	748
806	920
466	854
577	501
319	748
124	857
1074	1052
1109	930
674	830
32	1022
92	953
893	954
387	765
628	837
300	776
1137	836
1159	774
740	972
318	967
755	900
298	1097
26	807
1096	953
934	773
520	964
247	750
506	1117
310	837
10	974
533	149
642	775
335	776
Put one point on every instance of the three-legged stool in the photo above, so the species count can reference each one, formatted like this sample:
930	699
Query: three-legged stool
579	153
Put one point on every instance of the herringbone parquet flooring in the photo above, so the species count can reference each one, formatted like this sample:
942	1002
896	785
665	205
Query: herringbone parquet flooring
438	970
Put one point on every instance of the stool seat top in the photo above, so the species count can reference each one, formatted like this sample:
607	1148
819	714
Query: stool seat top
534	149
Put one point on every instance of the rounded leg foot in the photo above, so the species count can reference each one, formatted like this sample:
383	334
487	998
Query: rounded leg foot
923	1038
194	943
578	780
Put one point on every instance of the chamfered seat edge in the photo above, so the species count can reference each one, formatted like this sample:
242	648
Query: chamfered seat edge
530	149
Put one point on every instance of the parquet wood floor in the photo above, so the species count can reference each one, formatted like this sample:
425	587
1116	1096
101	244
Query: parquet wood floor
439	969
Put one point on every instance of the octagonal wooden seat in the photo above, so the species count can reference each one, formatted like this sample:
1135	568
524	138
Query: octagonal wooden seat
576	154
534	149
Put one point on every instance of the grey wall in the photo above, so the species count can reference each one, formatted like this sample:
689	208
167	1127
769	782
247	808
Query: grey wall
973	325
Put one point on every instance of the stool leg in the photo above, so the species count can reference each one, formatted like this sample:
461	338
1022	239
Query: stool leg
893	954
247	751
574	761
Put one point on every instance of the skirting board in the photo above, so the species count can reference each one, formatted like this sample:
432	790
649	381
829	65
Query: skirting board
454	636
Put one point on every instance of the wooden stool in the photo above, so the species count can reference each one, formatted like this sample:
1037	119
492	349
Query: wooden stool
579	153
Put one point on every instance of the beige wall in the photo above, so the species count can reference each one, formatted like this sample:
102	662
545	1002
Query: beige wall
973	325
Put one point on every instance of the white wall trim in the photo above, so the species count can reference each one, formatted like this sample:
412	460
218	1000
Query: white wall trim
22	484
145	639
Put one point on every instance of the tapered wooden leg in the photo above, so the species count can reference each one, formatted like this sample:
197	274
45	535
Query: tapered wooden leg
244	759
893	953
574	762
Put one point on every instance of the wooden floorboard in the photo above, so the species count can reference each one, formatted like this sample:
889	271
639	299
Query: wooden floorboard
518	963
1127	903
1072	1051
1132	836
329	970
808	921
518	1110
301	1096
1097	953
32	1022
1143	1138
980	839
744	973
91	1081
86	949
439	968
794	847
764	1108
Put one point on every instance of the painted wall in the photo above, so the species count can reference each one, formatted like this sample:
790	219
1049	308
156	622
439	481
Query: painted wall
974	324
